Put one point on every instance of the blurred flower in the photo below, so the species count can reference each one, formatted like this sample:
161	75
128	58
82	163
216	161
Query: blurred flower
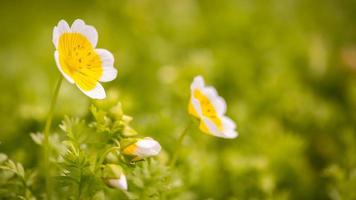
348	57
78	59
143	148
210	108
114	177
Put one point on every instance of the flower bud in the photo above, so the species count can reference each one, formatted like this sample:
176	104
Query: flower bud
129	132
117	111
114	177
143	148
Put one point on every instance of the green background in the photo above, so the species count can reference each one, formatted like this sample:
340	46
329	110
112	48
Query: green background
287	70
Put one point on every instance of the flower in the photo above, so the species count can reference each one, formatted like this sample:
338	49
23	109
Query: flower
114	177
206	105
143	148
78	59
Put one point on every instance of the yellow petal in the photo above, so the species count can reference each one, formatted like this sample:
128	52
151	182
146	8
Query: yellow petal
204	128
208	109
192	110
78	60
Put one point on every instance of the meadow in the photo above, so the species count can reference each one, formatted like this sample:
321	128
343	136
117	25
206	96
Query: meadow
286	69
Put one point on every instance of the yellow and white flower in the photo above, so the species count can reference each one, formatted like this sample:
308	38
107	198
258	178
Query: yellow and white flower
114	177
79	60
206	105
143	148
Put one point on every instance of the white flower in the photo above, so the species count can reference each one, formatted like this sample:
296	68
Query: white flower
78	59
210	109
120	183
143	148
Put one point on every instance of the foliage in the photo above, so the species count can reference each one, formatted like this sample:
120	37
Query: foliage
92	145
16	183
285	68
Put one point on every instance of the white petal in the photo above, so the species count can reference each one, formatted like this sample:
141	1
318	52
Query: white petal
107	59
56	58
197	83
229	127
231	134
88	31
109	74
96	93
120	183
219	105
58	30
213	129
228	123
146	142
147	147
210	92
226	133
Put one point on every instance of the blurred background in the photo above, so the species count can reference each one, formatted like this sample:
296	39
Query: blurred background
287	70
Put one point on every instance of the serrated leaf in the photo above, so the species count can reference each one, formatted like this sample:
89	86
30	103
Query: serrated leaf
20	170
11	164
37	138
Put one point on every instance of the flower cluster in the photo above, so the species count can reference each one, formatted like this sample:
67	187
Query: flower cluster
113	174
84	65
126	146
142	148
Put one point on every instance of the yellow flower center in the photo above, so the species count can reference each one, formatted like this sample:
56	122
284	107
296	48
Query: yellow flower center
79	60
208	110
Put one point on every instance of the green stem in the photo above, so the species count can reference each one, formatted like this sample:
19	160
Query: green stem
179	144
46	144
102	157
80	185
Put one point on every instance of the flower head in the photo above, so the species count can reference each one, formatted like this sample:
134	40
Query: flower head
114	177
143	148
78	59
206	105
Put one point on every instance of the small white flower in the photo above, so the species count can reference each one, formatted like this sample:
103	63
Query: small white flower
120	183
78	59
143	148
210	109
